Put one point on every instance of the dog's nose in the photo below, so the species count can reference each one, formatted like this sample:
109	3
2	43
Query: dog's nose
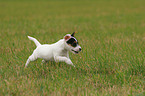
80	49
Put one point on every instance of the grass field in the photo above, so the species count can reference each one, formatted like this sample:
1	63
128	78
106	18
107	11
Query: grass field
110	32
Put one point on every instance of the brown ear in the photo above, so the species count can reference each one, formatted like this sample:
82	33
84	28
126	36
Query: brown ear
66	37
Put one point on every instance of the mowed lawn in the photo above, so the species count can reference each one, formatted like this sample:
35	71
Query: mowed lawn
110	32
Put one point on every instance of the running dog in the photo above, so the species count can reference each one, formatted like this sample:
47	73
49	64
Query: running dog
58	52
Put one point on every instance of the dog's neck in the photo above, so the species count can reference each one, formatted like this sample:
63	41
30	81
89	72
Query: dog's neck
61	44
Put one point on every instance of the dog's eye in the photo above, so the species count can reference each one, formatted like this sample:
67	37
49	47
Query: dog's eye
74	44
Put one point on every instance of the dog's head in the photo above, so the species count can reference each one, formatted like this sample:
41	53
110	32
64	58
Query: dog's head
72	43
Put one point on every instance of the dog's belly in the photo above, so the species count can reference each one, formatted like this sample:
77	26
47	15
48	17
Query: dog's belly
45	52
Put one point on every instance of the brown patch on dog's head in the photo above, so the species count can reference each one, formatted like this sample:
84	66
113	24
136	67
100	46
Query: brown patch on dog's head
67	37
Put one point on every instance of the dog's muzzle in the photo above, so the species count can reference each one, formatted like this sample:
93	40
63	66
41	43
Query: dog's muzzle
75	51
80	49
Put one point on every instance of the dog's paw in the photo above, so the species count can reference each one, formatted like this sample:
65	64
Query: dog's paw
69	62
73	65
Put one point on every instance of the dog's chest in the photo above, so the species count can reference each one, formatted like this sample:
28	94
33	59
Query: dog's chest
63	53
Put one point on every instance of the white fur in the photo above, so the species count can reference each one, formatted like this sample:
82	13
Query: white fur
57	52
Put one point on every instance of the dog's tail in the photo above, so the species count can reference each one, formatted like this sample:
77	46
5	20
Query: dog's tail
34	40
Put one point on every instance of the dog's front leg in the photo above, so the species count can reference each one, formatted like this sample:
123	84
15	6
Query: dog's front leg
65	59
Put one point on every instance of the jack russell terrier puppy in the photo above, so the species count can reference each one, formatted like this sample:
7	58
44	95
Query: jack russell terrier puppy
57	52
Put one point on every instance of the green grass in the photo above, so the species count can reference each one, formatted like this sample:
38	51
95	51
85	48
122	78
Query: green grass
112	36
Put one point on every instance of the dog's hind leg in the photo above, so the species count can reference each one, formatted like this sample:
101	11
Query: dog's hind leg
31	58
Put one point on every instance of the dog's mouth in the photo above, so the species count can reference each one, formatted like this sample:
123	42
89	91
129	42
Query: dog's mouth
75	51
